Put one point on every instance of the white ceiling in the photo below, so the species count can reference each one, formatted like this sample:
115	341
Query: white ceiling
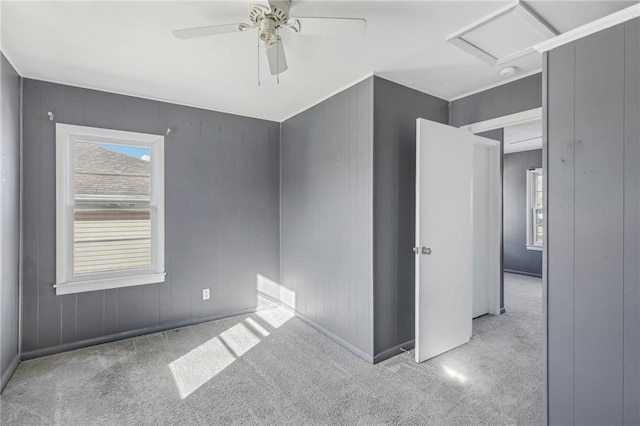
127	47
523	137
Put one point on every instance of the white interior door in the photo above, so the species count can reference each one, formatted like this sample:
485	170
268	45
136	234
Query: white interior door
444	238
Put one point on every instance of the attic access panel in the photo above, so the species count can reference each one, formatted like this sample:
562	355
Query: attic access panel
507	34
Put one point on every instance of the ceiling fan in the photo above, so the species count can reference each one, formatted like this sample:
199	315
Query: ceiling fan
270	19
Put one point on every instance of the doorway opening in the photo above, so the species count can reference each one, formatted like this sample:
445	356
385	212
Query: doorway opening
523	197
460	216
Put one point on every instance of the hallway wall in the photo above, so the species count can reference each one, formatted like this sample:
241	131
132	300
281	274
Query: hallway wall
517	258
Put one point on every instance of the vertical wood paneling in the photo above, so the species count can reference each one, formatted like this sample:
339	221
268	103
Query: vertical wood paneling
181	206
150	309
211	202
631	405
387	107
268	160
91	311
594	295
68	318
110	312
9	216
129	307
560	233
326	214
354	221
221	197
365	174
30	213
598	297
49	321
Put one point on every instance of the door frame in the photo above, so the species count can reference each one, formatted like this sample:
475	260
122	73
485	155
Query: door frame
504	121
522	117
495	233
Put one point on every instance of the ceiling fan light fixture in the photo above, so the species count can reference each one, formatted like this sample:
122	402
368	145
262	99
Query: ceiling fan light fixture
268	31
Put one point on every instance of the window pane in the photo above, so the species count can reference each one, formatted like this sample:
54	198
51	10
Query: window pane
538	182
538	228
112	220
539	199
111	240
111	175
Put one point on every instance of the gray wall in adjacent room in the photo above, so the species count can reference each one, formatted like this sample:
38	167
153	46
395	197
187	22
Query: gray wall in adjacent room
9	218
396	109
221	213
517	96
326	216
593	272
516	256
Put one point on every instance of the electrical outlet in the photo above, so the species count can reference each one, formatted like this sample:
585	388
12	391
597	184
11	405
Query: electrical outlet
205	294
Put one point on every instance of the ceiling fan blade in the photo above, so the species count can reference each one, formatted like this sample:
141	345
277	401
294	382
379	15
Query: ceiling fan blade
210	30
337	27
276	58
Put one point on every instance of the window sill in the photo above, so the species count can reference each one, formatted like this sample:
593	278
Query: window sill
534	248
108	283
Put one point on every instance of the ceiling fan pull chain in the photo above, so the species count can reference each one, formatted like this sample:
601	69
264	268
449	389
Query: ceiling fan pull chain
258	56
278	55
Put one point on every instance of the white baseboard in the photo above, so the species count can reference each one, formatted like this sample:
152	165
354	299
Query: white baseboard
6	376
351	348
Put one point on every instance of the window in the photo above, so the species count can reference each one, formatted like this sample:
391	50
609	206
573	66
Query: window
535	212
110	209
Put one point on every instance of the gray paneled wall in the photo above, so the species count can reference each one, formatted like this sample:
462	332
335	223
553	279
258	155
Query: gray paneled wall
631	221
516	256
396	109
221	213
517	96
326	216
9	218
593	148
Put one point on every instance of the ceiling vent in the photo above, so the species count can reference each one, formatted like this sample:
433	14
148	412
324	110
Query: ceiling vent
503	36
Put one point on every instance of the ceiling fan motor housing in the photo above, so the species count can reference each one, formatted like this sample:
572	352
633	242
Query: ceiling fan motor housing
278	12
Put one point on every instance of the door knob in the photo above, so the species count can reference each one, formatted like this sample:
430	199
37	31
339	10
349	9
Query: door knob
426	250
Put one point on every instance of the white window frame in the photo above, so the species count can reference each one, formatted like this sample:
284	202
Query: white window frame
66	281
531	191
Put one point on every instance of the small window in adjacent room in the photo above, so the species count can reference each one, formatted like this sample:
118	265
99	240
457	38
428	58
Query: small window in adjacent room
535	212
110	209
